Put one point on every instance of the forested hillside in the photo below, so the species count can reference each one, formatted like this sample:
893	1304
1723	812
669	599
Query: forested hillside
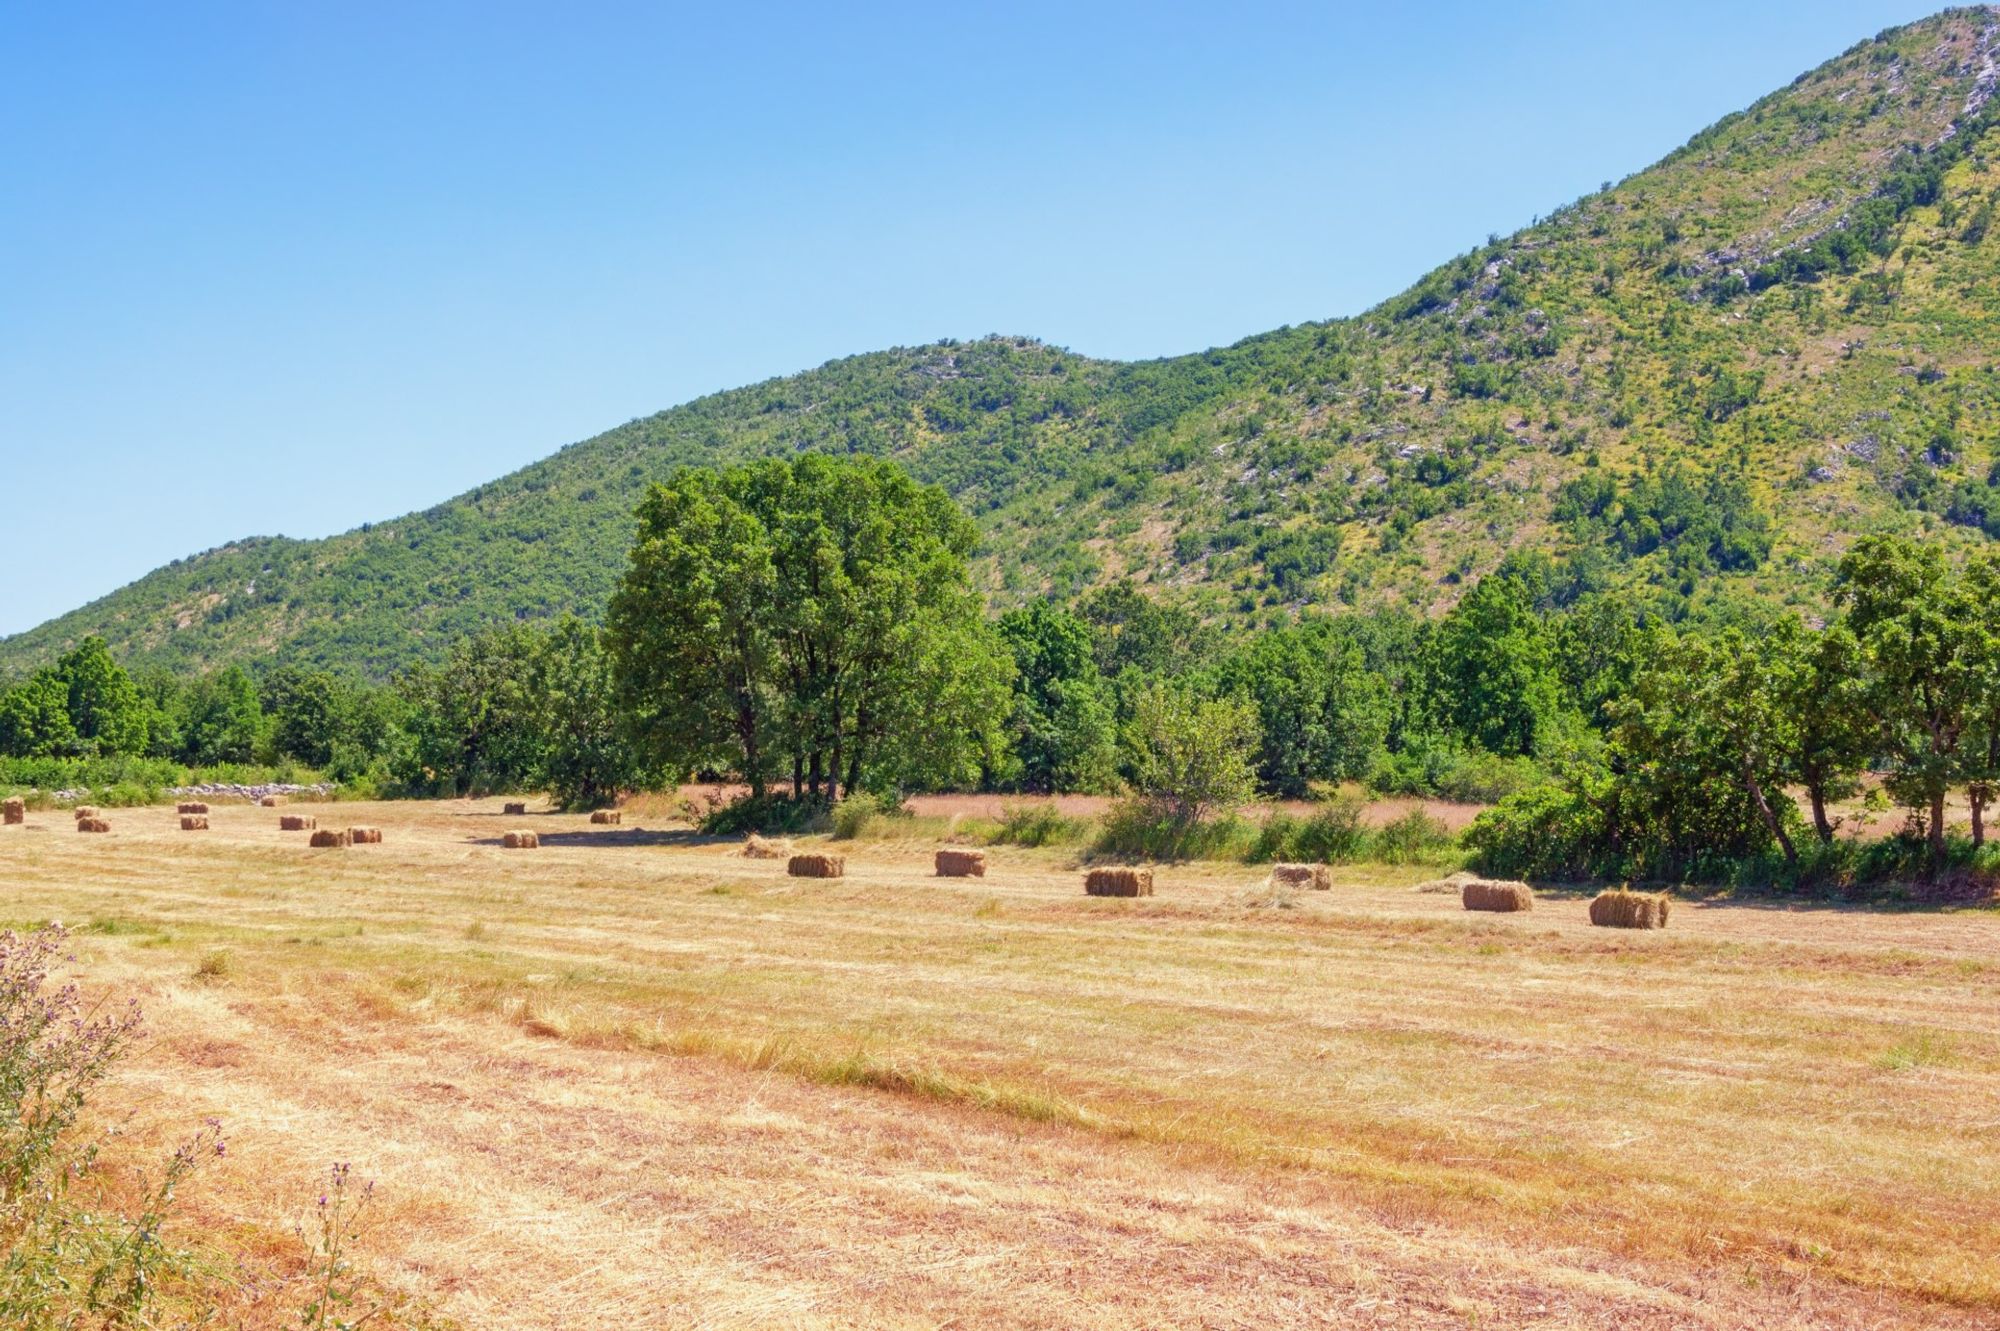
1702	382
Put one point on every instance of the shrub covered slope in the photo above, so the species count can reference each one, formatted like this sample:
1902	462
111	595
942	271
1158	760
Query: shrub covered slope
1703	380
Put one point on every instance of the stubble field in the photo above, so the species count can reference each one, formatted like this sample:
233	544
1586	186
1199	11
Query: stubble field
633	1079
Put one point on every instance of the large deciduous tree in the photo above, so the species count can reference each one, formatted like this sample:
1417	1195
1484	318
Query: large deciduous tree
816	610
1928	642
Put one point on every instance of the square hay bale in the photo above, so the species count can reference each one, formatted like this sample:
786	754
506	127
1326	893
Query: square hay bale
84	811
515	809
961	864
329	839
191	806
1623	909
817	866
1495	894
1121	882
271	801
14	811
297	822
365	836
194	822
766	848
1315	876
607	817
521	841
92	825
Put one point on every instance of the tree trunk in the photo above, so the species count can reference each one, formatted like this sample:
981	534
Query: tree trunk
1771	821
753	755
1937	828
1822	825
1978	794
818	772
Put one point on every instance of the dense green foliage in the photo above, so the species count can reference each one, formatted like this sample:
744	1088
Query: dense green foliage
1701	381
811	618
1696	772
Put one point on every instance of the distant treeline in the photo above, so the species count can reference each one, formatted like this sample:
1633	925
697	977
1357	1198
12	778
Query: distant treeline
807	626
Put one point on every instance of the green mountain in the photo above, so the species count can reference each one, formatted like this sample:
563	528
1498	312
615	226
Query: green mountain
1703	380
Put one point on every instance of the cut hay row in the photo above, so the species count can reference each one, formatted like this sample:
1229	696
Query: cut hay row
191	806
521	841
1121	882
961	864
14	811
766	848
329	839
194	822
296	822
1314	876
515	809
92	825
817	866
365	836
607	817
1622	909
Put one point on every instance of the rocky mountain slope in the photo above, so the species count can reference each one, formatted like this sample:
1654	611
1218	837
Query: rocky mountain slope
1701	381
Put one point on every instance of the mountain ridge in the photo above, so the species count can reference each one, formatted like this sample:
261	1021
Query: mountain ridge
1699	382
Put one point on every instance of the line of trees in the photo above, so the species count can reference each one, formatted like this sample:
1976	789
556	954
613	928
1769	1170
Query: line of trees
809	626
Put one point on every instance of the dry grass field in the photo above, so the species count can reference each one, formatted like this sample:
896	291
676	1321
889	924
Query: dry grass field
631	1079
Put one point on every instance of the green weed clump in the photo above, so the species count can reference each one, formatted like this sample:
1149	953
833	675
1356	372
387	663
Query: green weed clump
1039	825
67	1257
1331	834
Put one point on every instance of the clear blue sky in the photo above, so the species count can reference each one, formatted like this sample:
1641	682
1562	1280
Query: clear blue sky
286	268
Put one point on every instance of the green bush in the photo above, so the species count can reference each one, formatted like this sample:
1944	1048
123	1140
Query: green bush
1141	829
854	815
1414	838
1331	834
777	814
1548	833
1038	825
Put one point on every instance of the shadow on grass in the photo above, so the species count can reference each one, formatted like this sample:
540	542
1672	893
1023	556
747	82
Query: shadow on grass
623	838
1946	896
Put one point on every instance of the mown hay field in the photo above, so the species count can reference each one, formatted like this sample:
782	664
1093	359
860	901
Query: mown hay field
640	1080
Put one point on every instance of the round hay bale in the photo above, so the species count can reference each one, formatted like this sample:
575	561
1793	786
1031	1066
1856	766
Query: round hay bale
817	866
365	836
13	811
297	822
521	841
607	817
191	806
1624	909
961	864
766	848
92	825
271	801
1120	882
194	822
1493	894
1314	876
329	839
516	809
